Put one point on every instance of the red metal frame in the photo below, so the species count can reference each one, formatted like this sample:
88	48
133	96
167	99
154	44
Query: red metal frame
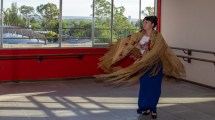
159	14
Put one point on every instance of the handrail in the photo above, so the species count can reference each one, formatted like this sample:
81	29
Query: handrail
187	58
189	52
80	56
41	57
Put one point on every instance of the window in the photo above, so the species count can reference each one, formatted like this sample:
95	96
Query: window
30	24
80	23
102	15
126	18
147	9
77	23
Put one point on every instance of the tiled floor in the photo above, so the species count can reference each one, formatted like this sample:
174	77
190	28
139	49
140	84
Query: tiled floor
87	100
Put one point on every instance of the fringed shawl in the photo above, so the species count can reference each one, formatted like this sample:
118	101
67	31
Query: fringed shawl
129	46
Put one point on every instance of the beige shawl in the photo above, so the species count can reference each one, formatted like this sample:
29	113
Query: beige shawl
129	46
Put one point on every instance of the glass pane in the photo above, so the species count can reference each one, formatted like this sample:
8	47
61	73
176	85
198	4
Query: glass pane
31	24
147	9
126	18
102	21
77	23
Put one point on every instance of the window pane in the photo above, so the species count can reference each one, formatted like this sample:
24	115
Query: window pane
126	18
77	23
147	8
31	24
102	21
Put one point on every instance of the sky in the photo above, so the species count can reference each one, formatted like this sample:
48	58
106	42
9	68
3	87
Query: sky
83	7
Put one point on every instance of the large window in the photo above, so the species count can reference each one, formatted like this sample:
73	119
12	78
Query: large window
28	23
70	23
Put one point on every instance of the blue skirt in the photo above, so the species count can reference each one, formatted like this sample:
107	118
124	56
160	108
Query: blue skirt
150	91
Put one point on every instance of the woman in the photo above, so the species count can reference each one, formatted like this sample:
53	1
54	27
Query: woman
150	87
153	58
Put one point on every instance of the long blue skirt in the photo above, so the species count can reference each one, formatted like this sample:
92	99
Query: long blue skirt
150	91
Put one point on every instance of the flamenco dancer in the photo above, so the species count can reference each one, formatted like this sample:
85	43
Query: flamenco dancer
152	59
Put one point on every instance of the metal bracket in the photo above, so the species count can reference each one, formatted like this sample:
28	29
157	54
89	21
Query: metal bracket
187	59
188	52
40	58
80	57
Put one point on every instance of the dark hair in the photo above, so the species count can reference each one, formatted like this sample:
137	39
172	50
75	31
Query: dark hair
152	19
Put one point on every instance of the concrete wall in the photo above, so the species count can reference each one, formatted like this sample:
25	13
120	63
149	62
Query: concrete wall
191	24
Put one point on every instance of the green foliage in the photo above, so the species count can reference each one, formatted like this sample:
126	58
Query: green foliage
56	26
102	34
79	28
121	25
11	16
36	26
49	12
26	11
52	36
148	11
102	9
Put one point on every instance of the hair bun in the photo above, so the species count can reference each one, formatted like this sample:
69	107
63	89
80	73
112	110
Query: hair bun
155	18
152	19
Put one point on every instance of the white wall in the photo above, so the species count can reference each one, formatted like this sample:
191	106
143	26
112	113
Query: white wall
191	24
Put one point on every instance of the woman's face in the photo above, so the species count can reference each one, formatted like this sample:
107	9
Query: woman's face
147	25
